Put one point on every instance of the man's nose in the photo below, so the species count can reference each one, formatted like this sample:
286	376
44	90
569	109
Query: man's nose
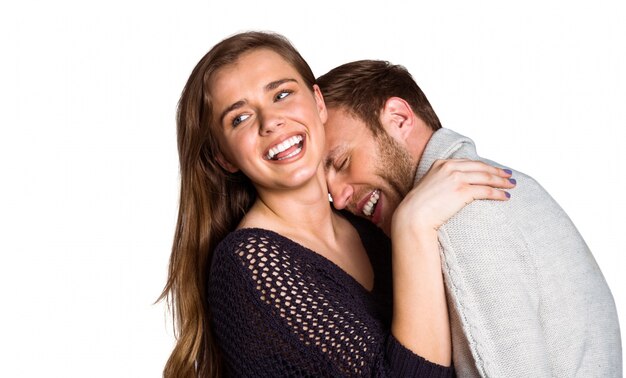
340	192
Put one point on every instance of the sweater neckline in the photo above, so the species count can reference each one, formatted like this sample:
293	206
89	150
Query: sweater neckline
442	144
339	273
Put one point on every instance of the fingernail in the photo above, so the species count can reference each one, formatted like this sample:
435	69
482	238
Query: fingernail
508	195
508	171
512	181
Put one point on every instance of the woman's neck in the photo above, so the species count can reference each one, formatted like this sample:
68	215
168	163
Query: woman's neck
302	210
305	216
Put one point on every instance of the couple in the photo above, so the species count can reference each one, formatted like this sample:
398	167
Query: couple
267	279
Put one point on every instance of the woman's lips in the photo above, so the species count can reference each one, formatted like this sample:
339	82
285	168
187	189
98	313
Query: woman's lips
286	149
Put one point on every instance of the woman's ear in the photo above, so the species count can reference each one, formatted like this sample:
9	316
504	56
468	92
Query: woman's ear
221	160
321	105
397	118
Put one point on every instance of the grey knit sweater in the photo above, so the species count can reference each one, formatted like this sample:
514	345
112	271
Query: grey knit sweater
527	298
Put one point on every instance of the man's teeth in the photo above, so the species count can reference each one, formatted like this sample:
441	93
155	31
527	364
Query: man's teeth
284	145
369	206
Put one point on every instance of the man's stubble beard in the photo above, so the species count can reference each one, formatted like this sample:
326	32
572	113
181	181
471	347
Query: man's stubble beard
394	165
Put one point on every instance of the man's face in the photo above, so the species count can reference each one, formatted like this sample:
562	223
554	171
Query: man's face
366	174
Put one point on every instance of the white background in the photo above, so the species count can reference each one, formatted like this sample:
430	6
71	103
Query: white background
88	159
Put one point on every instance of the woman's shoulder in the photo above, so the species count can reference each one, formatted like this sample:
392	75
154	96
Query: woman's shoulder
254	246
252	239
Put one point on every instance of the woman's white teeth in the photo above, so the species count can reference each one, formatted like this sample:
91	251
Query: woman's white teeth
284	145
369	206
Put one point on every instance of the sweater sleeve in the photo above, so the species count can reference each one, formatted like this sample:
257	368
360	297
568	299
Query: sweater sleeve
278	311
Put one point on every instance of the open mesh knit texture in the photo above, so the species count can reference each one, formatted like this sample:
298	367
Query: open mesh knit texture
279	309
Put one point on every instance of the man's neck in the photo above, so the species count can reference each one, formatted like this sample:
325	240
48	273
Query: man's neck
417	142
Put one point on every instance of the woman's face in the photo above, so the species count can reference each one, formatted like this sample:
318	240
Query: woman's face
270	124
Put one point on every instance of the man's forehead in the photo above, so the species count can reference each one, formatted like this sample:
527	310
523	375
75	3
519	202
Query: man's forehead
342	124
342	112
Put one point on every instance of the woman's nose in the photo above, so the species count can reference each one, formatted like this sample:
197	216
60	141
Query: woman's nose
269	122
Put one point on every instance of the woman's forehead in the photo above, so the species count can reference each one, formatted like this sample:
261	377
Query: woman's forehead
252	70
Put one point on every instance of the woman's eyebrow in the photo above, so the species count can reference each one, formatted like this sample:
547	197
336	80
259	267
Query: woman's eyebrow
275	84
229	109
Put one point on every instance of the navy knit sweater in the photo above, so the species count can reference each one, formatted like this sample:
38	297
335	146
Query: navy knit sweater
279	309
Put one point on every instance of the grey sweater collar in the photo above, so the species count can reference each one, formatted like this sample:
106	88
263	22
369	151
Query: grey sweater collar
443	144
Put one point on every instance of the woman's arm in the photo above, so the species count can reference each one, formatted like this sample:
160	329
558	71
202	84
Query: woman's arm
420	317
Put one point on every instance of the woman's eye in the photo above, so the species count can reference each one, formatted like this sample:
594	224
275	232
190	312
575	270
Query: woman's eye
282	94
237	120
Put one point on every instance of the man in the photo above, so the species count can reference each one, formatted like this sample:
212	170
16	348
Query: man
526	296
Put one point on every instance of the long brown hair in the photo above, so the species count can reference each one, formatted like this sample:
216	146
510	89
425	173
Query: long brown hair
212	202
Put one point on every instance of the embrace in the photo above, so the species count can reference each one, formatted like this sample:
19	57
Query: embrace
332	227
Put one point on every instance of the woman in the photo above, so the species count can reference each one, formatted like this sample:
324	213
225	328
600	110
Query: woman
264	268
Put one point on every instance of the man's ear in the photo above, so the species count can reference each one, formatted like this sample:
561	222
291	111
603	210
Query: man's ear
397	118
221	160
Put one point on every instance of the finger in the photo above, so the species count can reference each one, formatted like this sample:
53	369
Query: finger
466	165
482	192
488	179
461	179
450	161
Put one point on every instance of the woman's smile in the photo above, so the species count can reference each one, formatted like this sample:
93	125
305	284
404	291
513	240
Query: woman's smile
286	149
